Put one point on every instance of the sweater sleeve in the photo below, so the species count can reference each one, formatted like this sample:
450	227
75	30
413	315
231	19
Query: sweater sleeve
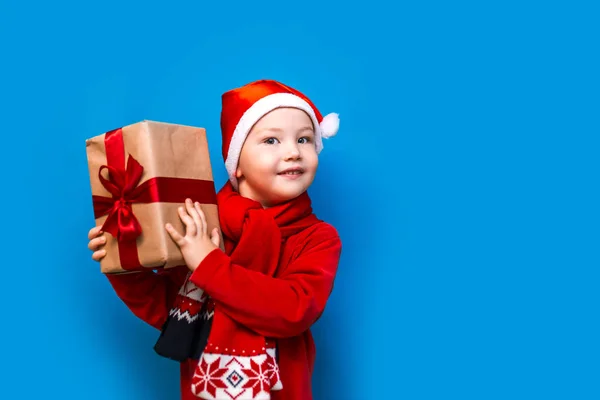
147	294
277	307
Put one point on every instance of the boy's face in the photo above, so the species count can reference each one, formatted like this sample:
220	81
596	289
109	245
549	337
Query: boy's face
278	160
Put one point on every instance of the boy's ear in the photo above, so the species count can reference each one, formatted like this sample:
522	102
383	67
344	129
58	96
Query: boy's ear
238	173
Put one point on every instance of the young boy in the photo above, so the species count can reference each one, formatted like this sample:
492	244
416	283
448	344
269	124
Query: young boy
239	320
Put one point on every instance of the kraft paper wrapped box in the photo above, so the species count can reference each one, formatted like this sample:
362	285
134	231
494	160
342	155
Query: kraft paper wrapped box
139	175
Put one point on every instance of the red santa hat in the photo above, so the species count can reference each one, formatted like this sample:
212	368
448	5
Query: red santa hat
244	106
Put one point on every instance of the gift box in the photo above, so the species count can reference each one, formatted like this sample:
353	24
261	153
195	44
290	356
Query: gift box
139	175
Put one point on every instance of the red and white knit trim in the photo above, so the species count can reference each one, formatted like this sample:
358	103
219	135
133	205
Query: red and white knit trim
189	302
228	377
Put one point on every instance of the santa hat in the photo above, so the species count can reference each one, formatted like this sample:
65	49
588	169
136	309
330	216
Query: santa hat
244	106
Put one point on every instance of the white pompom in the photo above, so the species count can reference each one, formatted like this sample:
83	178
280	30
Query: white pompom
330	125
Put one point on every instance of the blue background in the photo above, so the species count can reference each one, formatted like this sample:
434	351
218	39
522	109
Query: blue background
463	181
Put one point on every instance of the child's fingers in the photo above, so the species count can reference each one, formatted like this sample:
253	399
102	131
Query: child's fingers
98	255
203	227
95	231
190	225
176	236
95	243
215	238
193	211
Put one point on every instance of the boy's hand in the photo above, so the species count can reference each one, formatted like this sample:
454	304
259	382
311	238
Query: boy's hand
196	243
96	243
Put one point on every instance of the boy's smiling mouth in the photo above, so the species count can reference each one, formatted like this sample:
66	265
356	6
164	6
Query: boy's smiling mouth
292	172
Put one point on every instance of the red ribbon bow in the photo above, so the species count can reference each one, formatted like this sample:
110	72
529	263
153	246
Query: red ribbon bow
123	185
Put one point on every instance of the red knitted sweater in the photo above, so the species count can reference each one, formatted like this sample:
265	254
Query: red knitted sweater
282	308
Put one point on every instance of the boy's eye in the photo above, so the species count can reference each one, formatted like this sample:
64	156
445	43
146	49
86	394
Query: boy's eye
270	140
305	139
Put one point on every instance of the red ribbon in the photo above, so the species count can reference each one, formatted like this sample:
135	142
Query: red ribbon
123	185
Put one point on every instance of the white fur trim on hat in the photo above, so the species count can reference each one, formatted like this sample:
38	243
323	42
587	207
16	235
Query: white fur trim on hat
264	106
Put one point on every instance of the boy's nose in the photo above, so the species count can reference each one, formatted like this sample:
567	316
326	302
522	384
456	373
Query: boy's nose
292	152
